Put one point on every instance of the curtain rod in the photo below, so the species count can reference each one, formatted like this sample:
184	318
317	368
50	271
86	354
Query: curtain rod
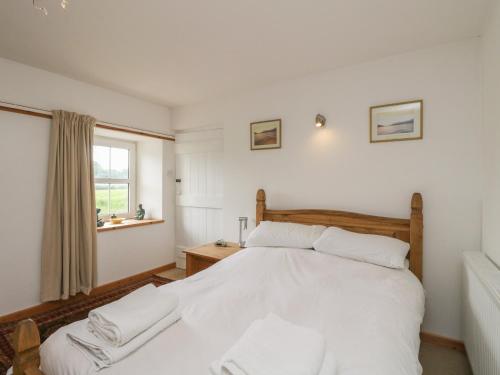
37	112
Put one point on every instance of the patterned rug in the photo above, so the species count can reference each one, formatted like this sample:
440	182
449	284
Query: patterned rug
50	321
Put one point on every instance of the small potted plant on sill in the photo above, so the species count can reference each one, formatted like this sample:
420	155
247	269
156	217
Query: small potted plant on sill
139	215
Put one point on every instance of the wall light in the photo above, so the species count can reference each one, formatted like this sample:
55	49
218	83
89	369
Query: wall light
44	11
320	121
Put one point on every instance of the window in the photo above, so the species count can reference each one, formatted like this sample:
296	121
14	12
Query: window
114	176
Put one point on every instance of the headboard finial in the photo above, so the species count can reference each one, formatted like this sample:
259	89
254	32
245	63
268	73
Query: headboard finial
261	206
416	201
261	195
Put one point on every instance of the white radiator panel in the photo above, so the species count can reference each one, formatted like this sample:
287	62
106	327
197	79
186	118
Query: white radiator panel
481	288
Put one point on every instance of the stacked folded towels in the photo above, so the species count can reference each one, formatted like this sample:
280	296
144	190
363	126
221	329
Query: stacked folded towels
275	346
121	327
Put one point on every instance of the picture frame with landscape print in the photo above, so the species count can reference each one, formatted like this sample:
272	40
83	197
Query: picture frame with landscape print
265	135
397	122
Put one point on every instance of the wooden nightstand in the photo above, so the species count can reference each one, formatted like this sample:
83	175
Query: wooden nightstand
201	257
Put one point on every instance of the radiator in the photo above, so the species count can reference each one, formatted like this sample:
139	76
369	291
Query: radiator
481	313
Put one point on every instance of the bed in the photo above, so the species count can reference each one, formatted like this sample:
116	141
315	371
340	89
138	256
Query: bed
370	315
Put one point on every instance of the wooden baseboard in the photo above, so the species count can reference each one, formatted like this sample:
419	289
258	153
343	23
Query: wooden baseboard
445	342
47	306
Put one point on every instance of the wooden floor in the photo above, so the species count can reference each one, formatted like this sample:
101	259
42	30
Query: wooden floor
173	275
437	360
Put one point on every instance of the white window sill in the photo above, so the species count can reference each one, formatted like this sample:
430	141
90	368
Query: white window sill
129	223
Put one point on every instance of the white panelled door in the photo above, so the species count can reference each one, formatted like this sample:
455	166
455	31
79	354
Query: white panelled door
199	185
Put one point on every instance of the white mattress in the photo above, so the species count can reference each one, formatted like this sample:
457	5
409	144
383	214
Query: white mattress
370	315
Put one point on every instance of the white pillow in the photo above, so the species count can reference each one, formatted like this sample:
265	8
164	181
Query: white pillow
370	248
277	234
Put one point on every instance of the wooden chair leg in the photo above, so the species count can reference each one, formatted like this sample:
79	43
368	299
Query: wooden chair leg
26	343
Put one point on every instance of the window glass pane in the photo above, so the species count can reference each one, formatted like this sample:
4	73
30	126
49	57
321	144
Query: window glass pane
119	198
102	198
101	161
119	163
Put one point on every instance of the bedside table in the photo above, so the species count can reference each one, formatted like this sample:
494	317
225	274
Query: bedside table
201	257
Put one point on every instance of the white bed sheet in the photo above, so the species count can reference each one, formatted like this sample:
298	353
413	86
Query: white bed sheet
370	315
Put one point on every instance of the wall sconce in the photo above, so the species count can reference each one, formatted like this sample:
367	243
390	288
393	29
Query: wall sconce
45	12
320	121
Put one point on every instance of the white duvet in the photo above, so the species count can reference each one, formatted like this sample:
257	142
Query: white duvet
370	315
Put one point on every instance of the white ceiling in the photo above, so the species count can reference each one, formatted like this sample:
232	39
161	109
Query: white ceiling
177	52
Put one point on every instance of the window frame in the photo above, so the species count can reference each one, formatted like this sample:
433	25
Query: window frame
131	180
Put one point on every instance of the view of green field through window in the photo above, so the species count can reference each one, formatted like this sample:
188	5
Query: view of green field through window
111	168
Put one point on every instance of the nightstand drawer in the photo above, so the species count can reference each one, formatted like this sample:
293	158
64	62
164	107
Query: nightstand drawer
196	264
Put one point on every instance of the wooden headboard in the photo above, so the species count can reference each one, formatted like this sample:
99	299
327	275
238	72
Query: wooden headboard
408	230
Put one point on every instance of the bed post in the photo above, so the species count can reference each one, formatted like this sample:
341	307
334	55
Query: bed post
416	235
26	344
261	206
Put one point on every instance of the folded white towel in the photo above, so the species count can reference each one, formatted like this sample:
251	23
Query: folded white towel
102	354
274	346
329	367
120	321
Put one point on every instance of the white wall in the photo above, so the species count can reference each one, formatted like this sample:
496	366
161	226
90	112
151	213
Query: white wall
491	135
24	85
338	168
149	176
23	168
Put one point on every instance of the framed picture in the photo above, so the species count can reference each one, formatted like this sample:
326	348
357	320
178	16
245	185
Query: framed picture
397	122
265	135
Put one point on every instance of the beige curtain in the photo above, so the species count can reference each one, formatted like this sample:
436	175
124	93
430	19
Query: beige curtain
69	236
